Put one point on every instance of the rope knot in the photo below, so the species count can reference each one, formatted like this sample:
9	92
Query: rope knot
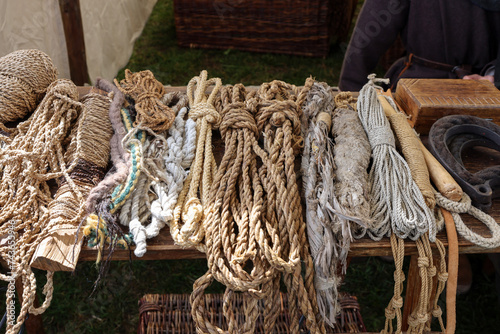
379	135
193	211
442	277
205	110
423	262
236	116
431	271
437	312
397	302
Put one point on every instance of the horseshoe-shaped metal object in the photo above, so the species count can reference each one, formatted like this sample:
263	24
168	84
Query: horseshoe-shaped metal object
450	136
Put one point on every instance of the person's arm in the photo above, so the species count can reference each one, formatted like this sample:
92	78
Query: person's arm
377	27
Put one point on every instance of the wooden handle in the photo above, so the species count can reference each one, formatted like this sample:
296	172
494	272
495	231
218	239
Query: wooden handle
443	181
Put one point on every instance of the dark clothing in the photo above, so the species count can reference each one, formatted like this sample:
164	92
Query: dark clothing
453	32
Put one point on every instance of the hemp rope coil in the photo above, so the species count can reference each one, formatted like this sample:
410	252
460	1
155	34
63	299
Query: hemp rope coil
34	157
233	226
186	227
396	200
147	92
165	163
24	78
278	119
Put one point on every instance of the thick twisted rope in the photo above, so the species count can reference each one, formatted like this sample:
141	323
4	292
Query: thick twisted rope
233	223
34	157
396	200
147	92
186	226
278	119
465	206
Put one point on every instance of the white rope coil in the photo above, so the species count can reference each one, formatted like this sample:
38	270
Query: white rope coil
397	202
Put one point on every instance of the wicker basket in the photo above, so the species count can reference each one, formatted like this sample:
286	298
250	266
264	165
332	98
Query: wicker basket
171	313
282	26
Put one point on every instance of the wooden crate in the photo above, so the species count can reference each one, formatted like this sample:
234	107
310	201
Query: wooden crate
426	100
281	26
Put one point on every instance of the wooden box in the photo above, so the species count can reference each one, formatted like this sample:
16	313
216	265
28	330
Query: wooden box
426	100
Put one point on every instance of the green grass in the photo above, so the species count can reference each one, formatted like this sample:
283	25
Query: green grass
113	307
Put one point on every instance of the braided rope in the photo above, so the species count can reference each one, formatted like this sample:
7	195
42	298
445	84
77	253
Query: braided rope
396	200
189	208
465	206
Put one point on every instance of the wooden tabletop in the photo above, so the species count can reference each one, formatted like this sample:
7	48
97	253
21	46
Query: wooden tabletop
163	248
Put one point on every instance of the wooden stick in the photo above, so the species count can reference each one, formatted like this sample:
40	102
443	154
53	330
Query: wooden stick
443	181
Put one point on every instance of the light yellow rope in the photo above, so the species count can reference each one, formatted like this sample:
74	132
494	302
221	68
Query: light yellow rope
186	227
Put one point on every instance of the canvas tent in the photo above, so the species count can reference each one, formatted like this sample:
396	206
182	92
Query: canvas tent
110	29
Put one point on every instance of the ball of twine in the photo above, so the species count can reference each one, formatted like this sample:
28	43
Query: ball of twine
24	78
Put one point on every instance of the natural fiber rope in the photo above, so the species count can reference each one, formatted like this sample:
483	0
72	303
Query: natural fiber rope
393	310
165	163
328	226
352	154
29	161
233	223
395	197
147	92
410	148
418	318
465	206
278	119
189	208
24	78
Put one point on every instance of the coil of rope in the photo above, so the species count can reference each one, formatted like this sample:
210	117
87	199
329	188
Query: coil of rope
186	226
397	203
165	160
34	157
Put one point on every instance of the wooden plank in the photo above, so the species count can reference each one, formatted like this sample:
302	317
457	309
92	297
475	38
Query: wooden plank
75	41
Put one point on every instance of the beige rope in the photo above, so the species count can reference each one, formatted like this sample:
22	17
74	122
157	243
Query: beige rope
393	310
189	208
24	78
29	161
147	92
278	119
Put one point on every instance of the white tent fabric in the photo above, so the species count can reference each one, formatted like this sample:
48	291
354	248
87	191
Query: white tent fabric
110	28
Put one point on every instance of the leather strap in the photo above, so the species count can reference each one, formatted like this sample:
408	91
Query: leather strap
460	71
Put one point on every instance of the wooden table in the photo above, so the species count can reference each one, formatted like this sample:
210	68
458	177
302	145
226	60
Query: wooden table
163	247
